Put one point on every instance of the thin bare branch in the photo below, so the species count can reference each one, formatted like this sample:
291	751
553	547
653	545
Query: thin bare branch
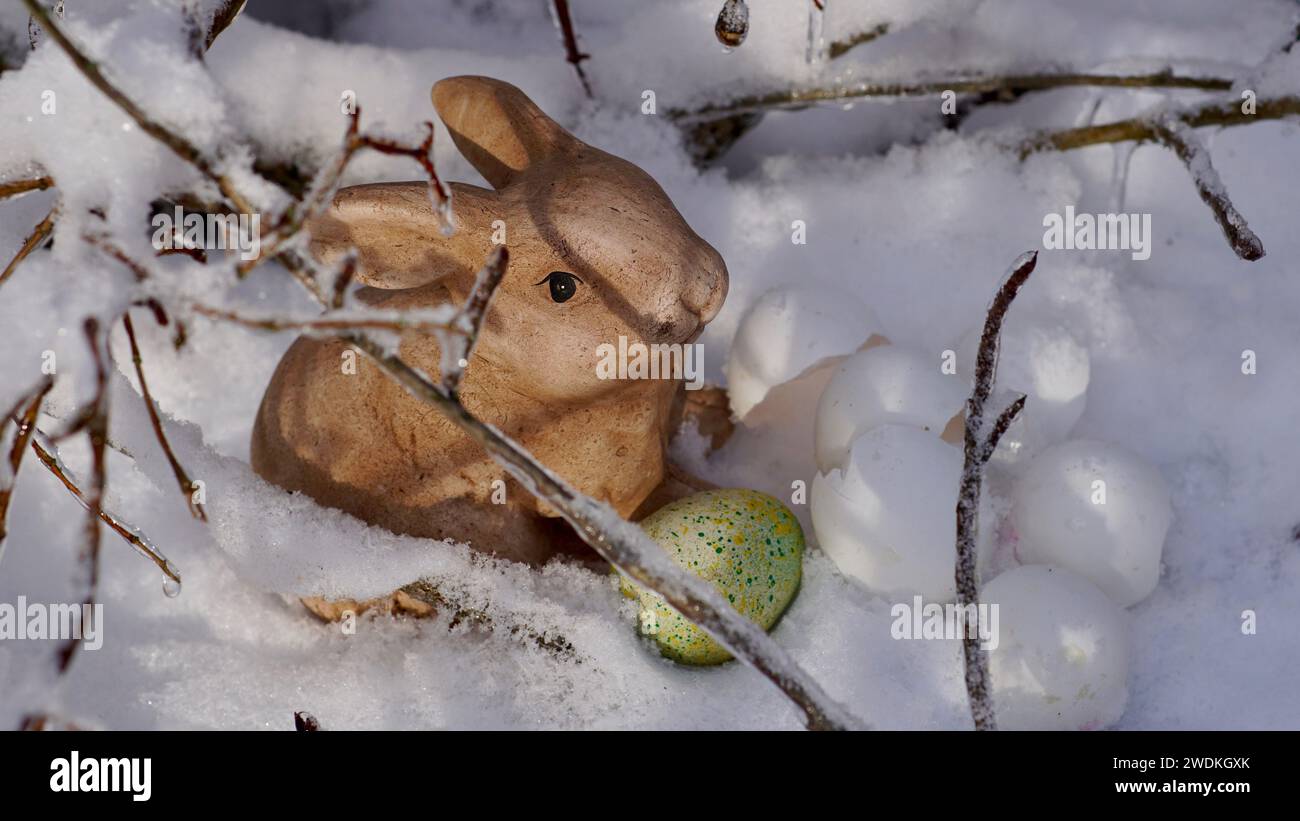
978	448
16	187
187	486
564	24
1180	139
34	240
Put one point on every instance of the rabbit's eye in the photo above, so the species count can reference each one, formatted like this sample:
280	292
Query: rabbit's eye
563	285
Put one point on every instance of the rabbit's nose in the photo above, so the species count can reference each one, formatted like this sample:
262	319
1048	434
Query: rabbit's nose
704	295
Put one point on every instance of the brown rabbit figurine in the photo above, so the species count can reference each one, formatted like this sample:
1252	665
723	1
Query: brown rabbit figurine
597	251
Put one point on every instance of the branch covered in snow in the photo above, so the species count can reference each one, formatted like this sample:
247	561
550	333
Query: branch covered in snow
979	447
1182	140
180	145
838	48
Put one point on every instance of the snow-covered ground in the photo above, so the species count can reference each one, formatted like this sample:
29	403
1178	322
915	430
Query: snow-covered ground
918	222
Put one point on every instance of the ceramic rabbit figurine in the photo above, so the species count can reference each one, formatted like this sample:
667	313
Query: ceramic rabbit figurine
597	251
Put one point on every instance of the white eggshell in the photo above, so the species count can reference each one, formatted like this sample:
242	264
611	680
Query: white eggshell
887	385
1043	361
788	331
1095	509
888	519
1061	657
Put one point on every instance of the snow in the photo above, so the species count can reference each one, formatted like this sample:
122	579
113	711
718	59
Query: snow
914	221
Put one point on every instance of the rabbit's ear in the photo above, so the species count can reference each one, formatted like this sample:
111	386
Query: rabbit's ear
397	236
496	127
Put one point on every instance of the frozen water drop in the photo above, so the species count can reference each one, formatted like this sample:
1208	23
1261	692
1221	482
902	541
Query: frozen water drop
171	587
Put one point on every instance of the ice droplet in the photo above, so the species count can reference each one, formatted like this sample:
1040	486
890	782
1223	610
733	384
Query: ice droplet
733	23
171	587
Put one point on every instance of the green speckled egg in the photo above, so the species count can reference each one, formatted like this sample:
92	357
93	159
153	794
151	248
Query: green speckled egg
749	545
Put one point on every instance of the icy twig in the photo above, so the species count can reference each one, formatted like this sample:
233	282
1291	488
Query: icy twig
48	454
1180	139
34	240
626	546
979	449
395	321
179	145
838	48
97	431
967	84
13	189
1144	129
23	416
222	19
468	321
187	486
564	24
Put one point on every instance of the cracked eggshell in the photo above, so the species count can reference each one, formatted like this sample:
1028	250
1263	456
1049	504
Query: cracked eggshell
1111	533
1062	653
888	518
787	332
886	385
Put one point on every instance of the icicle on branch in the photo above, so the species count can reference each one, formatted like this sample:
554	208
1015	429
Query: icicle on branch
468	321
979	447
1183	141
187	486
569	36
627	547
961	84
